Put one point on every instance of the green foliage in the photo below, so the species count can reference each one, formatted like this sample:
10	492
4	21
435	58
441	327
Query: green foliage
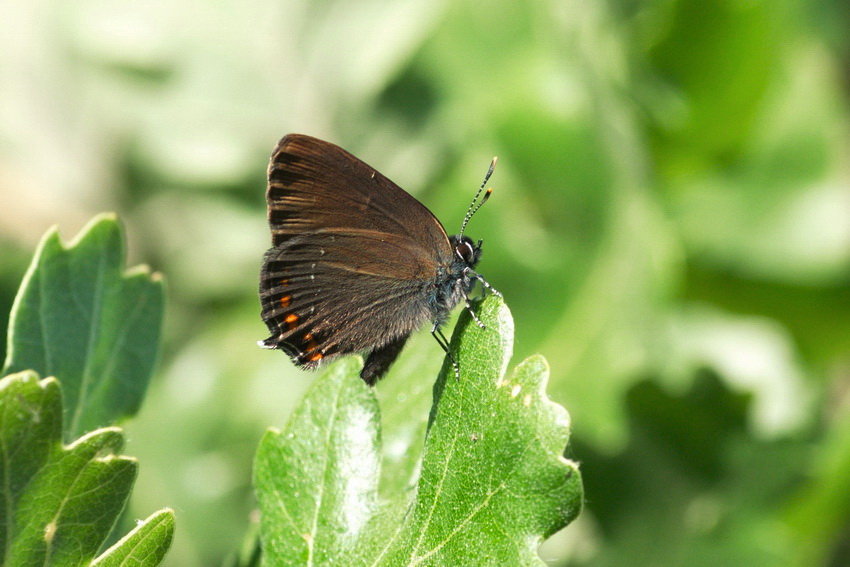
79	318
493	482
60	503
669	227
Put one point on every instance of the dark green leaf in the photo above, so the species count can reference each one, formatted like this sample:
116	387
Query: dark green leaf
80	318
62	501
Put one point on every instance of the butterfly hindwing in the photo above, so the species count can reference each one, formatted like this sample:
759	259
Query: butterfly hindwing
319	309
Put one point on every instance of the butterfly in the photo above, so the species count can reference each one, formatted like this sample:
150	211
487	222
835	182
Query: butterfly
356	264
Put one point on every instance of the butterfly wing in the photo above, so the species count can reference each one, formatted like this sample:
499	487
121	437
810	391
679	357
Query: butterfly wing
314	185
354	255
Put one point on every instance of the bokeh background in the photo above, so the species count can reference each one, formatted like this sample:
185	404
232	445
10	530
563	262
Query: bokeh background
670	227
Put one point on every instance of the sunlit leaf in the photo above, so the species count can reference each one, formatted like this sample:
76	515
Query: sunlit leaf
493	482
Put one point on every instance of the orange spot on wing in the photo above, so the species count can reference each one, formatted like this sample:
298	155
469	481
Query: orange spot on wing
285	300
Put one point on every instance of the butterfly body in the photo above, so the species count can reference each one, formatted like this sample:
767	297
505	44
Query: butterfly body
356	263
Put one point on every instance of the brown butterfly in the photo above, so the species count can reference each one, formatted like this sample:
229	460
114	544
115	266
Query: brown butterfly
356	263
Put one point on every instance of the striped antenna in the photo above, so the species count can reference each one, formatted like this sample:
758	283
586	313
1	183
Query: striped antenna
475	204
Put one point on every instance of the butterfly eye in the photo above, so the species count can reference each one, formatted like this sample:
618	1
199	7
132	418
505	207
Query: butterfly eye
465	251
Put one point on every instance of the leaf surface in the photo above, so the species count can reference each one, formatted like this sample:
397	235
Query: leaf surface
493	482
59	503
79	317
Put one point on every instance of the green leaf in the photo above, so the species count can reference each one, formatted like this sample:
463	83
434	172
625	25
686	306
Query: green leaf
147	544
79	318
317	480
59	503
493	482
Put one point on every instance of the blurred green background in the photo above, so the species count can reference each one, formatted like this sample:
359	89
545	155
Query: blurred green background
670	226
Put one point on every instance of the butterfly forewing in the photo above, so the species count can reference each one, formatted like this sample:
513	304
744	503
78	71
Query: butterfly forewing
315	184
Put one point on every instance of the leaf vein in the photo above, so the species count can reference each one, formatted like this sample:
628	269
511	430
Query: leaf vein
462	524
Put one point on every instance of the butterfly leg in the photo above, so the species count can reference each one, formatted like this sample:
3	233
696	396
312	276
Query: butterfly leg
471	312
441	339
486	285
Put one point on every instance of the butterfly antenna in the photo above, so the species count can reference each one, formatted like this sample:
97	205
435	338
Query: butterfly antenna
475	204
